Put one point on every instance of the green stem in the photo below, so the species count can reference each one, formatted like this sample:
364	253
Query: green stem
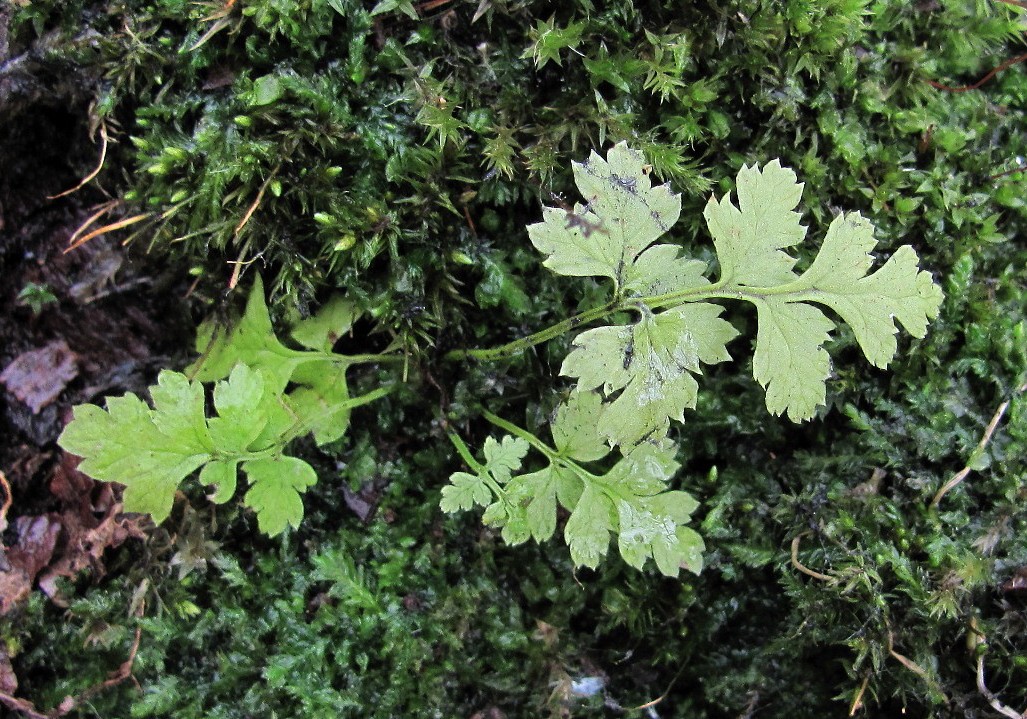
344	360
718	290
464	452
363	399
583	474
300	429
360	359
266	453
722	291
692	294
551	454
517	346
755	294
477	466
524	434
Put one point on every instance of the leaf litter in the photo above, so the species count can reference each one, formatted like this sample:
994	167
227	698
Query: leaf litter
54	521
37	377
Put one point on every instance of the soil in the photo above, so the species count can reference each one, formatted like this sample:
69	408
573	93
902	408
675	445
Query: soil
107	320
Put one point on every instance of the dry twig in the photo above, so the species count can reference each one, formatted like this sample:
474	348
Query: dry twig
8	500
79	237
240	262
70	703
26	708
967	88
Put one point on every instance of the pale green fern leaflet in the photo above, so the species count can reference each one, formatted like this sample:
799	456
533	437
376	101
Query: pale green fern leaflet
264	395
633	379
151	451
629	502
652	362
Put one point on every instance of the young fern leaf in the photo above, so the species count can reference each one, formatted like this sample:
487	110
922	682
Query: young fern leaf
251	340
151	451
750	241
790	361
652	363
501	460
630	501
645	369
623	215
125	445
321	394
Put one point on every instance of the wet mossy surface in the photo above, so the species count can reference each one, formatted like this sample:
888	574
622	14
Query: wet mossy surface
328	148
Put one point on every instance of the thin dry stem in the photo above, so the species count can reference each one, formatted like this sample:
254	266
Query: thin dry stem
857	701
26	708
995	702
99	166
8	500
989	432
430	5
255	204
913	666
105	229
223	20
999	175
102	210
70	703
663	696
967	88
239	262
800	566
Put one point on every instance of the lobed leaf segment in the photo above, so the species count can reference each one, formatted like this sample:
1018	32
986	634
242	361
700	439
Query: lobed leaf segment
633	379
151	451
630	499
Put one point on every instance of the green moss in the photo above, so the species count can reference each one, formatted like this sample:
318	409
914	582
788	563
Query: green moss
401	159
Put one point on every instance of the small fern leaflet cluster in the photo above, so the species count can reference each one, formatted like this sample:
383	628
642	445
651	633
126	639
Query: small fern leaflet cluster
633	379
151	451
